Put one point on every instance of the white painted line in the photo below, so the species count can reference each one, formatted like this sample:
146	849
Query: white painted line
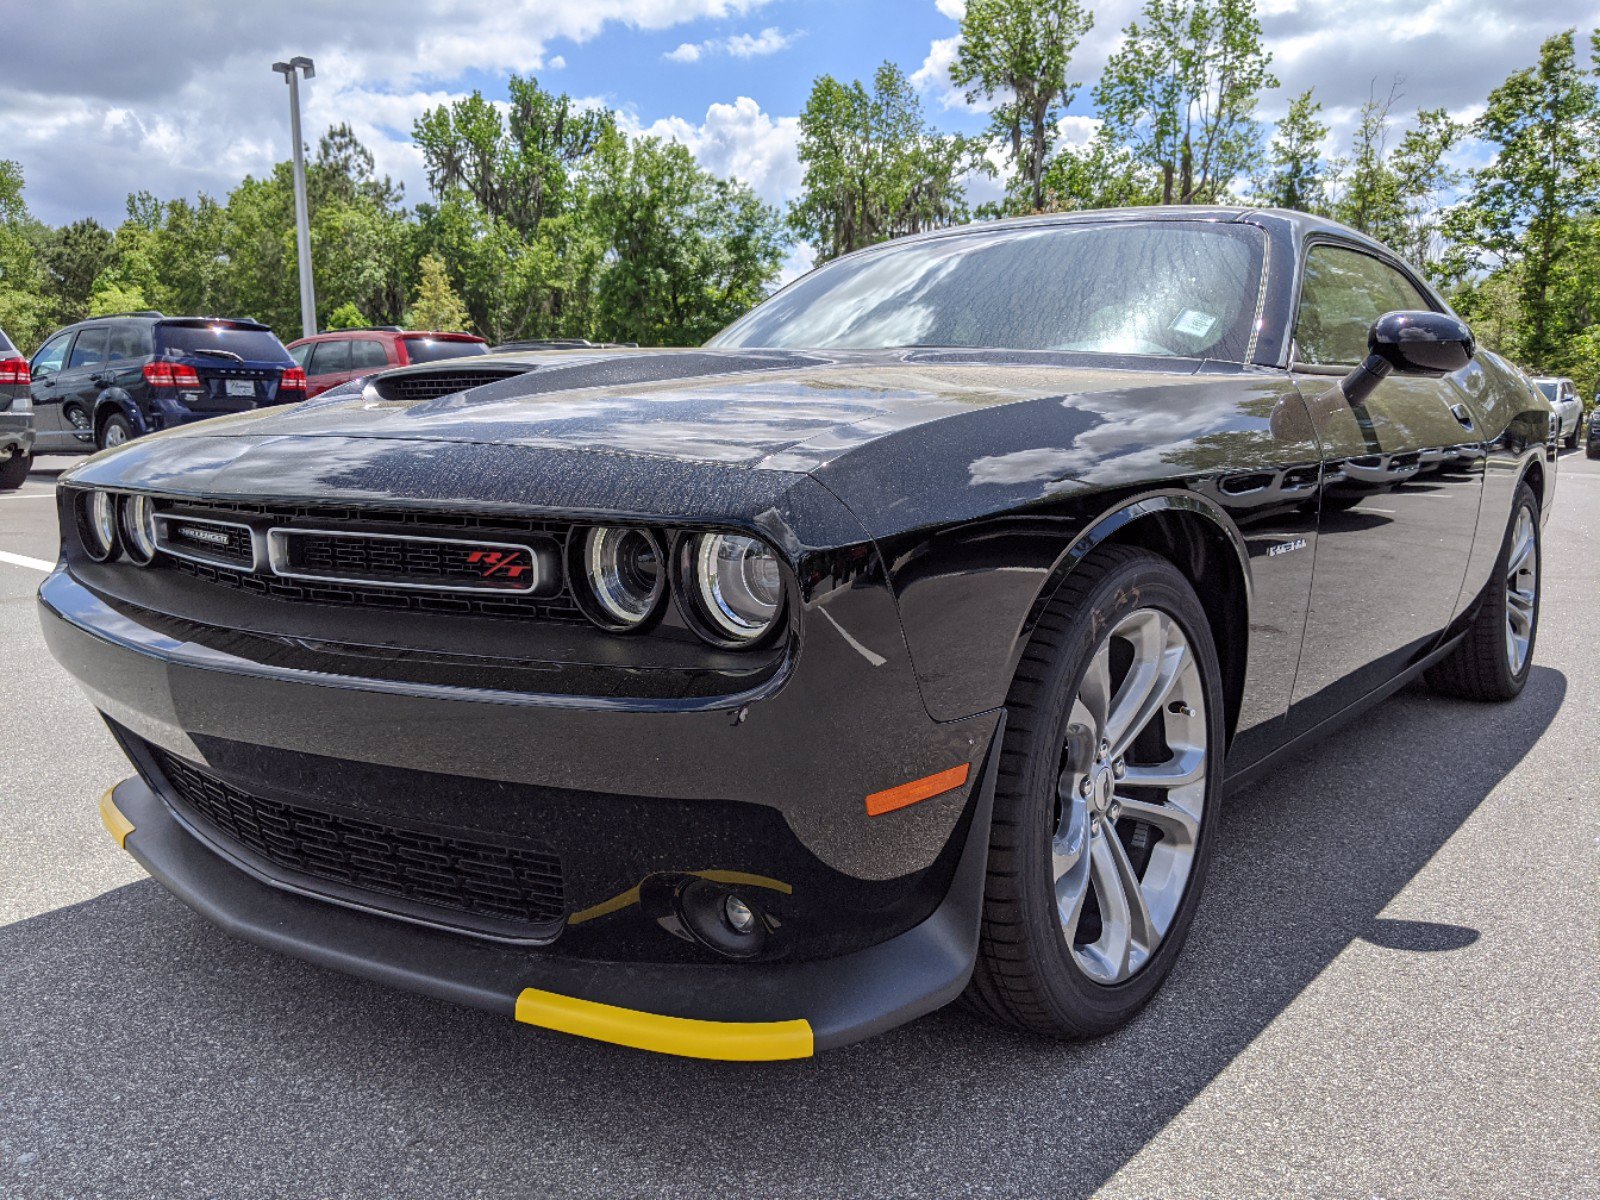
31	496
22	560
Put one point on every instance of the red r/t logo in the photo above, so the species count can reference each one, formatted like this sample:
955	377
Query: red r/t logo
498	562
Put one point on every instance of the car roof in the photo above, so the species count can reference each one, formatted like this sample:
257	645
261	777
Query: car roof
390	331
1283	220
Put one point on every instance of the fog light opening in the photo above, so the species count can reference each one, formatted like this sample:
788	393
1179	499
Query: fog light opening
722	921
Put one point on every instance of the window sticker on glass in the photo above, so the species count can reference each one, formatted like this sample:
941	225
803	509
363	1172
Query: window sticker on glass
1194	324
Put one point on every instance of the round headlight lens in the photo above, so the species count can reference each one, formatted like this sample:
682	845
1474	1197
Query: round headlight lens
739	584
626	574
139	529
98	512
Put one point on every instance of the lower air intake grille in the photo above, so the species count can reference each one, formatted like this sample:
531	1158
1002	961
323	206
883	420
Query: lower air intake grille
518	884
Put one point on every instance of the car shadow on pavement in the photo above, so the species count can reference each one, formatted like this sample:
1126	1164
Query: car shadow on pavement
139	1043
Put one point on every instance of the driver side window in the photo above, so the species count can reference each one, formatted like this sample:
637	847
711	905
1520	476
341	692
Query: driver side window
1344	291
52	354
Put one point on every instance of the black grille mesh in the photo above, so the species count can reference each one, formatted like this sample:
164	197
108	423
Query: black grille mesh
521	884
375	559
430	385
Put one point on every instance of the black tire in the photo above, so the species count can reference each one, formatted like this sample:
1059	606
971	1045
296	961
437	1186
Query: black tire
1480	667
1572	439
1592	450
116	421
14	471
1026	974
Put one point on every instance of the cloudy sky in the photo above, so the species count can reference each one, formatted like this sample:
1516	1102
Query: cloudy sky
178	96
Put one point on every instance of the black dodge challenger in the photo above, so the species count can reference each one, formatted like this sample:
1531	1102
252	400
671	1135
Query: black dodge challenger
898	645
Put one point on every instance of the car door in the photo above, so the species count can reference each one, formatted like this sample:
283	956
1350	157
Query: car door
46	393
1403	474
83	380
330	365
367	355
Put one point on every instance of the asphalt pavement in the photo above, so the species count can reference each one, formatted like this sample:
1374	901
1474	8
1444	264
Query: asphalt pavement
1392	989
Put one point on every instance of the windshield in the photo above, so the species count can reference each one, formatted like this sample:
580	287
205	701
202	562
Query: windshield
252	345
1549	387
421	350
1154	287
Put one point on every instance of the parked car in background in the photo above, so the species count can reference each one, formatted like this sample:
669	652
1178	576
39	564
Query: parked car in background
16	417
330	359
1563	397
1592	442
110	379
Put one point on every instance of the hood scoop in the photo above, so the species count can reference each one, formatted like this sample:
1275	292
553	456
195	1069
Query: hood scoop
410	387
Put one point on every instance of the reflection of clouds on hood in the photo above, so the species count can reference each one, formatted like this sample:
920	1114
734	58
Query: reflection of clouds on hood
1025	466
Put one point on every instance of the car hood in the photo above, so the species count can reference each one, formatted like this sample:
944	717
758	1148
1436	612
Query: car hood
785	410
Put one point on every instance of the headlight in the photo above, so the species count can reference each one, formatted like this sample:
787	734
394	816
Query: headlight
139	529
97	520
738	586
625	574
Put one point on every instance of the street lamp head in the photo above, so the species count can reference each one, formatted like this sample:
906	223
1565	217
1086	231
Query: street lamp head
299	62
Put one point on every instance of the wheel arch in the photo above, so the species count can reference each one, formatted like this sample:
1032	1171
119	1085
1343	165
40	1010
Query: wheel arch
117	402
1202	543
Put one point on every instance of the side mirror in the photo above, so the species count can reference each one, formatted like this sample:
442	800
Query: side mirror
40	374
1410	343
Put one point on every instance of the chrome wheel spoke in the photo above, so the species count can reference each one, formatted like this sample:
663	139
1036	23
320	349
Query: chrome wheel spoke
1162	655
1176	824
1522	590
1128	934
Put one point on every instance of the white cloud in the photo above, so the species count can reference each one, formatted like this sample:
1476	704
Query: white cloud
558	63
954	9
933	76
741	140
187	103
740	45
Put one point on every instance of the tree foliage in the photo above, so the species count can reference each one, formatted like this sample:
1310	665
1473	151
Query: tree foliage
874	167
1182	92
1016	54
436	306
1299	174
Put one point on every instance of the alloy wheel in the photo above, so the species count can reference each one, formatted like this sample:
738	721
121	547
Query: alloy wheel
1522	591
1130	796
115	435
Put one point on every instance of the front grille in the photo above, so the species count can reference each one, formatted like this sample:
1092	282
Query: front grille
430	385
558	605
520	884
414	562
211	540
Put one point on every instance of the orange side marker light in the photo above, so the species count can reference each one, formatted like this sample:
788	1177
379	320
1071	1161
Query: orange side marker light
917	791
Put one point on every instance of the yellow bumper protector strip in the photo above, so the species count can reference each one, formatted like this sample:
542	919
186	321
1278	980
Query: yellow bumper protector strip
116	824
731	1041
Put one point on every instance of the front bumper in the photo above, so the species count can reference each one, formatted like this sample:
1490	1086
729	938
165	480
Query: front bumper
732	1011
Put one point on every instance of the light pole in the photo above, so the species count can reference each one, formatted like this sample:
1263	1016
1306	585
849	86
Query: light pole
308	297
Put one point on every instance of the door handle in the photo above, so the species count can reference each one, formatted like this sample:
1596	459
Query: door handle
1463	414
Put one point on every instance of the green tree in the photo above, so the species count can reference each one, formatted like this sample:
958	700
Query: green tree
436	306
24	313
74	255
1367	191
1543	125
346	316
875	168
1100	174
686	252
1298	179
1019	52
1182	92
1425	181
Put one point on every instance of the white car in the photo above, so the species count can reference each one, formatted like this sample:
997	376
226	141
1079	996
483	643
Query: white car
1563	394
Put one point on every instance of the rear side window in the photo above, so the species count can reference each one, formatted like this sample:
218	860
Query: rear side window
301	353
1343	293
421	350
128	340
6	348
89	350
367	355
327	358
252	345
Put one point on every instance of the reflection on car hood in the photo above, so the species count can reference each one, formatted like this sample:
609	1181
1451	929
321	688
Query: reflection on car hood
785	410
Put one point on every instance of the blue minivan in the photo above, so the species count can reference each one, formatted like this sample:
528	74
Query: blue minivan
106	380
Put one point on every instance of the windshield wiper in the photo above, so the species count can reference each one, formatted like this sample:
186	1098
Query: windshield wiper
229	354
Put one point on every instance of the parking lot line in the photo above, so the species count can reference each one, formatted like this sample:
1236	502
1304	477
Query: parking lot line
22	560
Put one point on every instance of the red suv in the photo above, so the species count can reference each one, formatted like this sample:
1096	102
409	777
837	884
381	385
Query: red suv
332	358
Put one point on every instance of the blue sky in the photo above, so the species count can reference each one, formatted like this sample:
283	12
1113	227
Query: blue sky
188	103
